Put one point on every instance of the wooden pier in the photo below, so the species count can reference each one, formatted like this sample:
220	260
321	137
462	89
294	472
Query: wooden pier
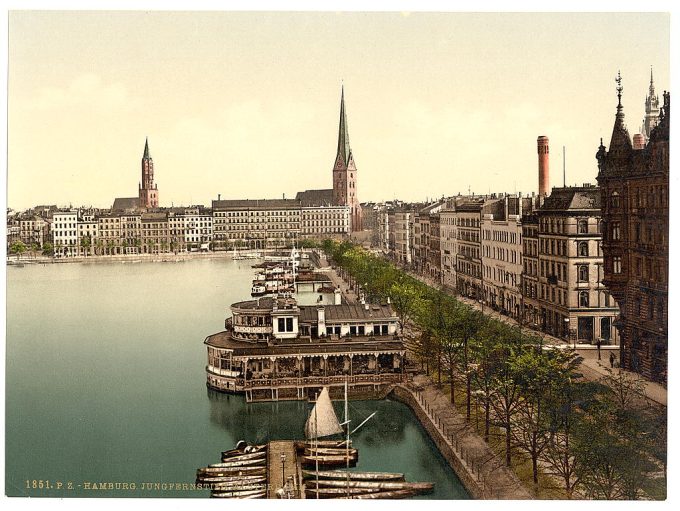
283	466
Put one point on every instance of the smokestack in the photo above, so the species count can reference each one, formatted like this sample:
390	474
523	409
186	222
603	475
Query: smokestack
543	165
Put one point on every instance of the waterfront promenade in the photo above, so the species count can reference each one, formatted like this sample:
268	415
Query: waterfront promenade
591	368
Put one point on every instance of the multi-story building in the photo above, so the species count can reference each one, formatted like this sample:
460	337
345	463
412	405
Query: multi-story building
34	230
434	254
131	232
257	223
469	248
87	233
155	233
529	276
176	226
65	233
574	304
401	234
501	245
635	199
198	228
324	221
109	239
448	243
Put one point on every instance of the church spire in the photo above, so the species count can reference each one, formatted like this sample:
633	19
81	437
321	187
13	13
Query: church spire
344	150
652	109
146	149
620	143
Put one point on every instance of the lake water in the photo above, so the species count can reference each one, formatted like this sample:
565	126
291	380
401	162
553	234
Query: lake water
105	383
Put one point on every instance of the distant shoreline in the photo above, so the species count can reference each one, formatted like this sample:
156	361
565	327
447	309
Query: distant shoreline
132	258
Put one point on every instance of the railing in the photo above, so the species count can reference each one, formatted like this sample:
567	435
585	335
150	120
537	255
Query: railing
377	378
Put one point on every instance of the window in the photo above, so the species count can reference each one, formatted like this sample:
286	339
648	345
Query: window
616	200
583	226
616	230
617	264
583	249
583	299
583	273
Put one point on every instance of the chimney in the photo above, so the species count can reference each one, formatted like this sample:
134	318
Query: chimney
337	297
321	320
543	165
219	196
638	141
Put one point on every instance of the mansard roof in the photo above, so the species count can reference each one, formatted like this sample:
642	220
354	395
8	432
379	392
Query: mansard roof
124	203
256	204
572	199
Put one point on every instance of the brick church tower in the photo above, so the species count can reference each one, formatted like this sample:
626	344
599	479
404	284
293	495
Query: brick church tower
345	172
148	191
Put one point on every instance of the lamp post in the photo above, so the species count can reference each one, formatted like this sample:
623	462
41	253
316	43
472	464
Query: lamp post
283	469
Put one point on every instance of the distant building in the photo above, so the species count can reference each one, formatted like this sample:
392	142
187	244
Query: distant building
635	198
65	233
148	190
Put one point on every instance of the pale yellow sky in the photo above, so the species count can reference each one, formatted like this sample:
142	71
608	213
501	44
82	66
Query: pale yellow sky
246	104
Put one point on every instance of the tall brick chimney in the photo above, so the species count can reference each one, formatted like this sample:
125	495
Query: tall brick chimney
543	166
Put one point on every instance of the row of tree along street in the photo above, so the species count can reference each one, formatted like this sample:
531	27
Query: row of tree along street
601	440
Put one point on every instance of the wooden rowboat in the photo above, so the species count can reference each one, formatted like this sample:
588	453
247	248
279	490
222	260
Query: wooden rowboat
243	457
233	479
380	485
231	485
248	450
232	471
240	494
330	461
353	476
242	463
395	494
334	493
325	451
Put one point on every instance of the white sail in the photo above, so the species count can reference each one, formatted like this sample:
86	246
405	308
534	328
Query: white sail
322	421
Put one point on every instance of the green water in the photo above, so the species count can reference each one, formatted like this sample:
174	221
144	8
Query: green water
105	383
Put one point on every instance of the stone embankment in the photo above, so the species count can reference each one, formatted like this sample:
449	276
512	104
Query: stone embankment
482	472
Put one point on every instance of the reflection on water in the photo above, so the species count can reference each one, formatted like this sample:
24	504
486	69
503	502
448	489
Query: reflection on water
105	382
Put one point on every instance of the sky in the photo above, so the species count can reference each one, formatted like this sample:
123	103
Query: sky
246	104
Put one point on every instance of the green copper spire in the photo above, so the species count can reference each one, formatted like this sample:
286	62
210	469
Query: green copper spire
343	134
146	149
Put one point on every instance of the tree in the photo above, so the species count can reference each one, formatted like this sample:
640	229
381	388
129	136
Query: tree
539	375
406	299
17	248
48	249
86	243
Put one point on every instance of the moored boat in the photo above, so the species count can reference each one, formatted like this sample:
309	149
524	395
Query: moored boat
354	476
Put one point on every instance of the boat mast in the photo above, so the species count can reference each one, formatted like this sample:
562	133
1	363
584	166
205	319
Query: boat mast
347	442
316	441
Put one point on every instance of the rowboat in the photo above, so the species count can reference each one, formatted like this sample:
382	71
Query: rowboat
395	494
325	451
242	463
248	450
380	485
243	457
233	485
334	493
230	479
240	494
329	460
365	476
234	471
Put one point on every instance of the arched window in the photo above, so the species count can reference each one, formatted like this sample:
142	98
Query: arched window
583	249
583	300
583	226
583	273
615	200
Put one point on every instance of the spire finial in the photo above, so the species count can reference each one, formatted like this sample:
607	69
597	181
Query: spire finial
146	148
619	90
651	75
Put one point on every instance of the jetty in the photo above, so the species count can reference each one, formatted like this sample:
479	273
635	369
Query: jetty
280	469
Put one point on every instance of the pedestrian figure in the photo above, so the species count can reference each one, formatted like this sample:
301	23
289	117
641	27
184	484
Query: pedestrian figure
611	359
599	345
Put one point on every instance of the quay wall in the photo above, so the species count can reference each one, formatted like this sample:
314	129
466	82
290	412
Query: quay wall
464	473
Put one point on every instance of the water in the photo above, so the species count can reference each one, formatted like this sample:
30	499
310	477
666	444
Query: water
105	383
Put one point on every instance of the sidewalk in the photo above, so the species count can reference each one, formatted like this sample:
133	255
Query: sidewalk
592	368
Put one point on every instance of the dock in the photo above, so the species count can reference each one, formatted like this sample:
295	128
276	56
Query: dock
283	466
275	471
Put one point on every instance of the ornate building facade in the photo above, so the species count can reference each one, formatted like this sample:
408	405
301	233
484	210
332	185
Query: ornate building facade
634	190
